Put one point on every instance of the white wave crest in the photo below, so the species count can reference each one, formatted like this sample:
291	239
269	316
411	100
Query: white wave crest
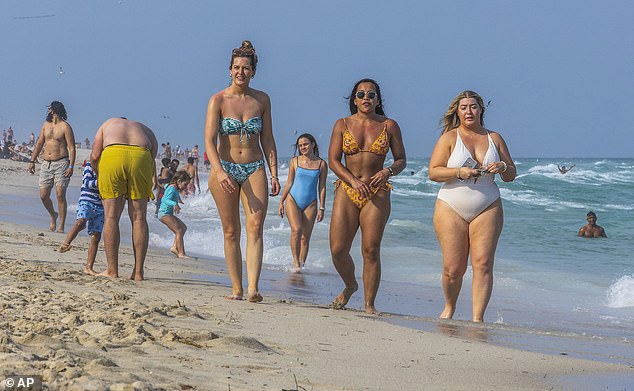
621	293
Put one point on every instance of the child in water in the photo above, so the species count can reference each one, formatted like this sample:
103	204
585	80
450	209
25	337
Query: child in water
169	206
89	213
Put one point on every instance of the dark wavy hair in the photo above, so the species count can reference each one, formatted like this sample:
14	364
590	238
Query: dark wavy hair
353	108
56	108
181	175
246	50
310	138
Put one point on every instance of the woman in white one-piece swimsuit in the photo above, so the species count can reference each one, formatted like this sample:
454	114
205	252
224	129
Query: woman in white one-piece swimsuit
468	217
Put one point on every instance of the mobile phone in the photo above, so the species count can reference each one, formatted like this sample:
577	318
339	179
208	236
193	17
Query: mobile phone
471	163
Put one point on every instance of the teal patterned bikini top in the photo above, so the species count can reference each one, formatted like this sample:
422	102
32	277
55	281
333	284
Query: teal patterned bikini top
229	126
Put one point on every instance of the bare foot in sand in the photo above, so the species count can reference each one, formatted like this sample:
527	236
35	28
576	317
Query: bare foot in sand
64	247
136	276
53	222
234	297
60	230
255	297
371	310
173	250
342	299
447	313
108	274
183	256
90	270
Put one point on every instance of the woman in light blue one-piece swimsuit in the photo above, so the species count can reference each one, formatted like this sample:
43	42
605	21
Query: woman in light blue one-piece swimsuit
306	178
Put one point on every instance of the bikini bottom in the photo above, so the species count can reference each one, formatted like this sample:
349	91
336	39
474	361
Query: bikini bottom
357	198
240	172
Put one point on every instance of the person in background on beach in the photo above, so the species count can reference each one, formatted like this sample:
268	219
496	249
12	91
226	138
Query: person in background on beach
89	213
468	216
169	206
238	132
564	169
174	165
362	192
123	152
163	179
32	140
10	135
306	179
87	143
58	140
206	161
592	230
192	170
195	154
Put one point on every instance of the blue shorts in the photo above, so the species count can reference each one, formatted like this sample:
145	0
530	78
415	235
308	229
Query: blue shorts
93	214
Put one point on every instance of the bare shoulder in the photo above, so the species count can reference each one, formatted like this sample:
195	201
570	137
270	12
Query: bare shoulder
392	125
340	124
495	136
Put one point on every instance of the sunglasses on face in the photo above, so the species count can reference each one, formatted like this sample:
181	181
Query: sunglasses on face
362	94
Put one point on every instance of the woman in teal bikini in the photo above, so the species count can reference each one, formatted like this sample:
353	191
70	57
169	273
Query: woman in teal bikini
306	176
238	138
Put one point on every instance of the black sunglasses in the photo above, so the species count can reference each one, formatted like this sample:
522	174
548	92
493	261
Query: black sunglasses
361	94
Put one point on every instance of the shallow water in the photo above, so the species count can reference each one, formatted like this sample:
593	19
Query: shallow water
549	284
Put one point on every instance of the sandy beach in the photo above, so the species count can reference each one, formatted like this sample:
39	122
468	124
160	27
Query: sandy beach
176	331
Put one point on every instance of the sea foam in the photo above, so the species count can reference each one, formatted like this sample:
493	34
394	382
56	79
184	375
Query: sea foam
621	293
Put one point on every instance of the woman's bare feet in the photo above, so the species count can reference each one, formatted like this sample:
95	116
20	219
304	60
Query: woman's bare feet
136	276
447	313
234	297
255	297
90	270
183	256
173	250
106	273
342	299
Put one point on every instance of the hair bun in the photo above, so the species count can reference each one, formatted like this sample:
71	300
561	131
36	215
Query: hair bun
247	45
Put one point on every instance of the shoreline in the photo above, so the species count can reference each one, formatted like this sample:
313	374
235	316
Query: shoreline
176	329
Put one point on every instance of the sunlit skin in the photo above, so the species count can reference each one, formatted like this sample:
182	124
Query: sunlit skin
592	230
302	222
458	238
362	171
241	102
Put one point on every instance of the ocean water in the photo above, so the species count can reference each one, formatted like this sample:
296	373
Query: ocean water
546	279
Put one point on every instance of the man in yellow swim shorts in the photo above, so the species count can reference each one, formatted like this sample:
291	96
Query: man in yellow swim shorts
123	153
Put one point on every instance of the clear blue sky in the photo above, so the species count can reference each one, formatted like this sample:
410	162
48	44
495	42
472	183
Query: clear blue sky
559	73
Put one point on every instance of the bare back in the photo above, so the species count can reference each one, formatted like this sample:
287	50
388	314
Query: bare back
58	137
121	131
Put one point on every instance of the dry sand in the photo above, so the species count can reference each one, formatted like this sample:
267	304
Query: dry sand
177	332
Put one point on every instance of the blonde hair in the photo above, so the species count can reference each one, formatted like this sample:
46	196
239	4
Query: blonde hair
451	120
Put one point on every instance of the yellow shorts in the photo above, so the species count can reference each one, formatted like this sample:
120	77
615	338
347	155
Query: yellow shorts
126	170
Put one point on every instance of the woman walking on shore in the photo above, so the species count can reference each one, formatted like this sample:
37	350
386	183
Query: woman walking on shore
306	179
468	216
238	131
362	195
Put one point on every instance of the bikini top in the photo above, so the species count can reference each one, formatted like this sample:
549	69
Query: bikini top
380	146
229	126
460	153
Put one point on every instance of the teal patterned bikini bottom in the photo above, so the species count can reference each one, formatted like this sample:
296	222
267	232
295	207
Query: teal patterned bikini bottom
240	172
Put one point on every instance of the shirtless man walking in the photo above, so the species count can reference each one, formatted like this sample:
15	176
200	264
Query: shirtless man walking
123	152
58	141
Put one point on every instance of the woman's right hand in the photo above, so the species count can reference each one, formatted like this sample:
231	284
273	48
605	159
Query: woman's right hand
280	209
227	183
361	187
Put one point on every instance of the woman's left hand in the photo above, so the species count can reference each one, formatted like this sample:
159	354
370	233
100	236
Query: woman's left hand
496	167
320	215
275	186
380	178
